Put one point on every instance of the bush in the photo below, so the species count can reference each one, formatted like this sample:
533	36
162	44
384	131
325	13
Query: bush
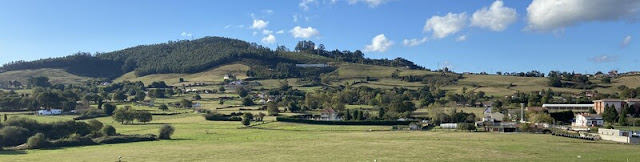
37	141
163	107
144	116
95	125
91	113
125	139
166	131
108	130
213	116
247	101
351	122
14	135
72	141
26	123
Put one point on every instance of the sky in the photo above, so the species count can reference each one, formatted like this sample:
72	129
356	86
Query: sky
584	36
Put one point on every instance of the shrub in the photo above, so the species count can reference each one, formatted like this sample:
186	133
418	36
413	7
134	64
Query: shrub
72	141
125	139
247	101
91	113
163	107
14	135
26	123
166	131
37	141
108	130
213	116
95	125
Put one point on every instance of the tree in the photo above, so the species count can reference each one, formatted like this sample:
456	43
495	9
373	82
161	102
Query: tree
108	130
166	131
221	89
185	103
164	107
5	117
540	118
140	95
247	101
109	108
144	116
272	108
246	118
181	80
39	81
242	92
622	119
293	107
169	92
261	116
610	114
497	104
360	115
118	96
347	115
197	97
380	113
606	80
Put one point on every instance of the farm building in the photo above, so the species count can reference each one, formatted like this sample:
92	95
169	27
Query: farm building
50	112
599	105
588	120
619	136
567	107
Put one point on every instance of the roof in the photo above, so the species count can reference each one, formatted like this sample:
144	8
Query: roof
567	105
536	108
590	116
608	100
633	100
328	110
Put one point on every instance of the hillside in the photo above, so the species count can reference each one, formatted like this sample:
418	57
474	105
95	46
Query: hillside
55	76
211	75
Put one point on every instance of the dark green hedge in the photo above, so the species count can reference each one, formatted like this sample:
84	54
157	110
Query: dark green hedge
70	142
125	139
352	122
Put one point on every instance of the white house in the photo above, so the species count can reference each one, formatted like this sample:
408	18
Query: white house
50	112
588	120
329	114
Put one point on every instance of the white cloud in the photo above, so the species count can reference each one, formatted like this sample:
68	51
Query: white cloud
414	42
380	43
300	32
461	38
625	41
603	59
497	17
443	26
304	4
233	26
267	32
259	24
185	34
370	3
280	32
550	15
270	39
255	33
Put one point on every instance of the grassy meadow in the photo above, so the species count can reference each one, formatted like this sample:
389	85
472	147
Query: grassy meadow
196	139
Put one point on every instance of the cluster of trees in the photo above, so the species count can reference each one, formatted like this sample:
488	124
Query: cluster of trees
357	115
626	92
569	80
437	80
81	63
17	130
454	116
532	73
126	115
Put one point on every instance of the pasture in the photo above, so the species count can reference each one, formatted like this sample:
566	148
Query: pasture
196	139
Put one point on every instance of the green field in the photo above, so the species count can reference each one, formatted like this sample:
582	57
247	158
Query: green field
55	76
199	140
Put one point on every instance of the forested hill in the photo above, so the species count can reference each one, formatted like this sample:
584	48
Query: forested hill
191	56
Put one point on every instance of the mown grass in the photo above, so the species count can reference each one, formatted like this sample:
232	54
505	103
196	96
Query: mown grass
196	139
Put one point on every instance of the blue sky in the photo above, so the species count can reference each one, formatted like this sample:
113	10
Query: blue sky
479	35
